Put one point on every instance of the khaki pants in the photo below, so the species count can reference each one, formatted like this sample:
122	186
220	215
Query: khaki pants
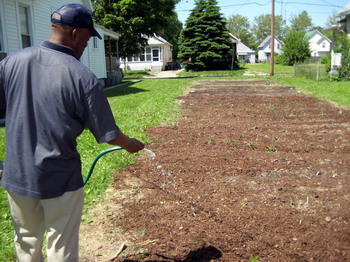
60	217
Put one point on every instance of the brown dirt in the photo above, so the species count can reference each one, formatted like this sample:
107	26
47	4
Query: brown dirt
251	171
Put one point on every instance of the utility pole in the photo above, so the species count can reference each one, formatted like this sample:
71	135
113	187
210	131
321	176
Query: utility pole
272	47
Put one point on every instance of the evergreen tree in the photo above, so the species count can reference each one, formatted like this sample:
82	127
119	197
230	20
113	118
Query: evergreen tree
204	43
296	48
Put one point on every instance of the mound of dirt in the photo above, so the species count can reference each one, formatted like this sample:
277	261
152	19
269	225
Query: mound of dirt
251	171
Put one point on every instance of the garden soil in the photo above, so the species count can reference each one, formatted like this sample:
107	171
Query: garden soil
252	171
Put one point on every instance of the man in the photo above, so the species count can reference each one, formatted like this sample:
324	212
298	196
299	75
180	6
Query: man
49	98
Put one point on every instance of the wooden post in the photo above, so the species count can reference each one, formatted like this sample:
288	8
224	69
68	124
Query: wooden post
272	56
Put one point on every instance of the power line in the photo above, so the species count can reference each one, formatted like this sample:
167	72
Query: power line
312	4
280	2
329	3
240	5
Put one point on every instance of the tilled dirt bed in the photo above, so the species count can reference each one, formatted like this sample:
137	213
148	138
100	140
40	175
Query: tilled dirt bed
251	172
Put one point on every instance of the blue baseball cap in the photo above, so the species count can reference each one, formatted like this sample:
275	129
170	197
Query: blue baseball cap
77	16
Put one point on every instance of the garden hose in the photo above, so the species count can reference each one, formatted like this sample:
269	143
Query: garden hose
97	158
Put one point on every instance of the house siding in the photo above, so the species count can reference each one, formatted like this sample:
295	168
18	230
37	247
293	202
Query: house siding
264	51
11	26
41	17
165	52
40	11
319	45
97	61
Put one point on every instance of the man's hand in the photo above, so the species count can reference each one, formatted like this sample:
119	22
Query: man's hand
131	145
134	146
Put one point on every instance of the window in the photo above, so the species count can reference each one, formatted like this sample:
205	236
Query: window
24	23
148	54
323	45
95	42
155	53
143	57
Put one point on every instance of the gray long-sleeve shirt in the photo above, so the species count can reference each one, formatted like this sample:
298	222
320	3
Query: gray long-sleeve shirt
50	97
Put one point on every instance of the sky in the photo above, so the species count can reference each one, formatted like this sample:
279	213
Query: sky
318	10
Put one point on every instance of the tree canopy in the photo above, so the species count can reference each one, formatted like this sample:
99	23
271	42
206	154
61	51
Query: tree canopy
262	27
239	26
204	43
134	20
301	22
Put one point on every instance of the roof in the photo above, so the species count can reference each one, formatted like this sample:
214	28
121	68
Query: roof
345	11
107	32
267	39
311	34
233	38
156	39
242	48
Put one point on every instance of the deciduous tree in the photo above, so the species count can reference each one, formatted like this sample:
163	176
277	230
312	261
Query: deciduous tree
134	20
240	26
262	27
301	22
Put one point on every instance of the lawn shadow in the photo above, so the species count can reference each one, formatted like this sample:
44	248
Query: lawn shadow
204	254
124	89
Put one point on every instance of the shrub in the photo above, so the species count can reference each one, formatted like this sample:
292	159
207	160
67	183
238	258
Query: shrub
296	48
279	59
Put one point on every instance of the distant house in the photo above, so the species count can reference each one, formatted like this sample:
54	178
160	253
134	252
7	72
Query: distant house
243	52
264	49
320	45
27	23
156	56
344	18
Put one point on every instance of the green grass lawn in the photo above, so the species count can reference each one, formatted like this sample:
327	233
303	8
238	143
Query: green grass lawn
265	68
226	73
256	68
135	74
338	92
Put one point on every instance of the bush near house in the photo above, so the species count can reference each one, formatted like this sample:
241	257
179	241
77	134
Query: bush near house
343	48
296	49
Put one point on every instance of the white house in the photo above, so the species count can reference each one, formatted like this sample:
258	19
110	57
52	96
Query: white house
156	56
243	52
344	20
264	49
320	45
26	23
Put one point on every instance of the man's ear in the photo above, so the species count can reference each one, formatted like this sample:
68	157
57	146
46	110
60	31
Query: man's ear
74	34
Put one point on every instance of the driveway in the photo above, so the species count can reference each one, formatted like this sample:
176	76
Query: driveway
164	74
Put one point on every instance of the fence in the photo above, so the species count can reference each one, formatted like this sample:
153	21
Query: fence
315	72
